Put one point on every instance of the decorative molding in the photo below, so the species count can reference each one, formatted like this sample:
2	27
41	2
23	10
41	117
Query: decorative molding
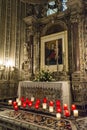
30	20
34	1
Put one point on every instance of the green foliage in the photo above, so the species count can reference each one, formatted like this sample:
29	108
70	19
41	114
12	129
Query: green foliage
44	76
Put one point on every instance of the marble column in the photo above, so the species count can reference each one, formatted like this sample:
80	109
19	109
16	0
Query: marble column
76	56
32	54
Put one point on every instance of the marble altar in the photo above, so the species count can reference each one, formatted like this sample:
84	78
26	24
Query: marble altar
52	90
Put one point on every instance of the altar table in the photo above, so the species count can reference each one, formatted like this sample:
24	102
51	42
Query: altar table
51	90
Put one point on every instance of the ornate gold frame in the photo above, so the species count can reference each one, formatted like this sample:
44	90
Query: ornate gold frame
48	39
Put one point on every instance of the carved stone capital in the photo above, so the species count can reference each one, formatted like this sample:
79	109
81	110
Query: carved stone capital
75	4
30	20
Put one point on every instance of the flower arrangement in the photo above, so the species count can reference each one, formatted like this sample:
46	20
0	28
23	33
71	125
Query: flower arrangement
44	75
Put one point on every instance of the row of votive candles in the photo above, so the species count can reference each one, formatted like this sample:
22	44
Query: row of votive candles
23	102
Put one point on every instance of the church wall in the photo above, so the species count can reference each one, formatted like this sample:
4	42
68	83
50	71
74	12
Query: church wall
12	32
79	80
12	38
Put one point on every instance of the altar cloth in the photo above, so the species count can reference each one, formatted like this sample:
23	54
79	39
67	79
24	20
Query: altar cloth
52	90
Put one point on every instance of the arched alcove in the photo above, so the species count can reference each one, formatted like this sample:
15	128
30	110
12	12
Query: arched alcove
54	27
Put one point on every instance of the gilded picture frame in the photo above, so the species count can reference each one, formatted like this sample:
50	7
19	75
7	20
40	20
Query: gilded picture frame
54	52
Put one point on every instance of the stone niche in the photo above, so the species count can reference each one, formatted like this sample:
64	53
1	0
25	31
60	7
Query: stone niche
42	33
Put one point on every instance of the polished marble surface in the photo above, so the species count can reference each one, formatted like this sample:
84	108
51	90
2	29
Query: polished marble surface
81	123
39	121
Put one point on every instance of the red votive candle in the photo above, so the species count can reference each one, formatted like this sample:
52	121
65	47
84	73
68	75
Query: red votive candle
44	100
16	107
14	103
73	107
67	113
58	103
58	110
24	104
30	103
22	99
38	101
27	100
65	107
51	103
36	106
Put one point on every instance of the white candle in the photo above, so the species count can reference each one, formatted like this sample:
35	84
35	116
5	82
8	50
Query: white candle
9	102
44	105
19	103
50	108
58	115
17	100
32	99
75	113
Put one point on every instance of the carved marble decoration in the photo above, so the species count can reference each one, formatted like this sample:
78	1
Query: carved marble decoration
50	90
85	42
37	121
